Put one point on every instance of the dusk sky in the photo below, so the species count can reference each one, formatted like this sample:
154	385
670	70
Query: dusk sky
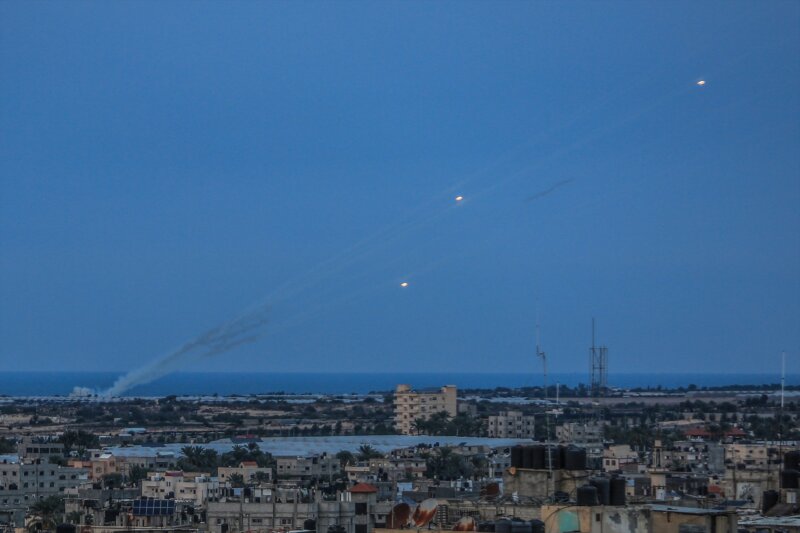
165	166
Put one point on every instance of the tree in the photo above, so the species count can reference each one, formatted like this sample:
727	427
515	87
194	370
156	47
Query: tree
198	458
74	517
345	458
367	452
113	480
236	480
261	477
46	513
7	446
79	441
136	474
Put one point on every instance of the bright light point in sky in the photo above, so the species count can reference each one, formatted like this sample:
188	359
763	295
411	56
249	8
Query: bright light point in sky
459	198
404	284
701	82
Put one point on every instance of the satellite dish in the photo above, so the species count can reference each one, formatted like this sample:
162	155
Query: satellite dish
512	470
467	523
425	512
399	517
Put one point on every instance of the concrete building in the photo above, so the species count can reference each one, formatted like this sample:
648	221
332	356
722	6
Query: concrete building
9	475
411	405
620	458
133	515
511	425
637	519
290	513
192	487
364	497
541	484
32	448
249	470
585	434
42	479
752	468
158	461
322	466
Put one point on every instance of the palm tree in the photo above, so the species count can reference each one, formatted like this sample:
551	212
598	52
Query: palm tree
45	513
367	452
345	458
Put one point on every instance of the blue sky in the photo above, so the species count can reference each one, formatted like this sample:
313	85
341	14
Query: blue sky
166	165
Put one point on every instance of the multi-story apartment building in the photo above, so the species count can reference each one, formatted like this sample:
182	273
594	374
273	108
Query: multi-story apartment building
32	448
194	487
511	425
411	405
302	468
43	479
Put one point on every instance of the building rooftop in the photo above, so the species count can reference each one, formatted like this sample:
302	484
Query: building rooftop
363	488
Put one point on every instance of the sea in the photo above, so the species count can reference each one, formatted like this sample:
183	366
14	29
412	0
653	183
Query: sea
232	383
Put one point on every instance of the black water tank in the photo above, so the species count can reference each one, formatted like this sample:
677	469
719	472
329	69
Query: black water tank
336	529
587	495
526	457
502	526
789	479
538	457
603	490
768	500
574	458
791	460
486	527
65	528
516	456
618	485
310	524
537	526
552	458
518	526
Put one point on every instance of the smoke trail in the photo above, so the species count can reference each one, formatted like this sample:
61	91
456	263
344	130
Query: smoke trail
244	329
547	191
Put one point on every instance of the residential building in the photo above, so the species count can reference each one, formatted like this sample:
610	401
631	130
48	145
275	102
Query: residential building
32	448
411	405
249	470
303	468
620	458
587	434
194	487
511	425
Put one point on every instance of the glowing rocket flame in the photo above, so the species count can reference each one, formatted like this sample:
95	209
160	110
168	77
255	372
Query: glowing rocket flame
404	284
459	198
701	82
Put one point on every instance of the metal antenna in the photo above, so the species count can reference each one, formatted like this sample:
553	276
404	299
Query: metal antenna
540	353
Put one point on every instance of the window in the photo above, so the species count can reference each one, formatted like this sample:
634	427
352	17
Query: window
361	508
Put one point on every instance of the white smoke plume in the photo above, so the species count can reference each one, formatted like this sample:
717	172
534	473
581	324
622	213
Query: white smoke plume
244	329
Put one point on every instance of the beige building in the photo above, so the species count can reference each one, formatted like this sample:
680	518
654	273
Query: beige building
511	425
249	470
410	405
194	487
620	457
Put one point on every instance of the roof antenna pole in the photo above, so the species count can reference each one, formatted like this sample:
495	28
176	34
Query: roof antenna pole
540	353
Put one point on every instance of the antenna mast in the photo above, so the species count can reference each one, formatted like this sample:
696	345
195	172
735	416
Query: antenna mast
540	353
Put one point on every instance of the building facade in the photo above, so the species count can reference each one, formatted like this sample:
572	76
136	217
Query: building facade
511	425
411	405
